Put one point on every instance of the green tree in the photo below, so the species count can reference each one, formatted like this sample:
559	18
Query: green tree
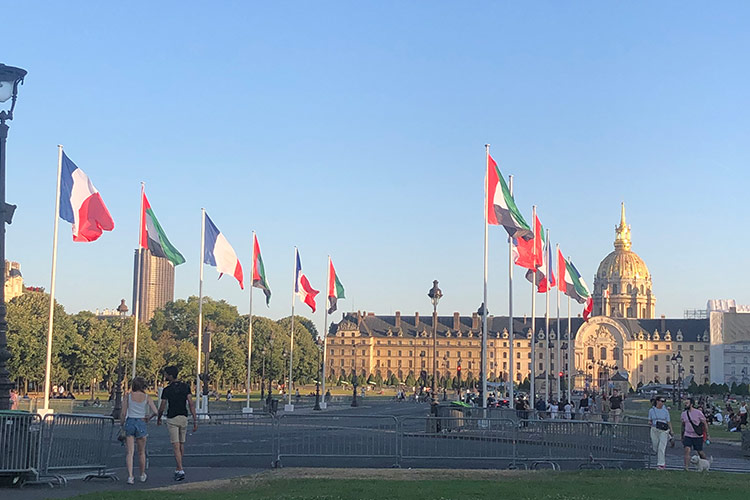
180	318
410	380
93	351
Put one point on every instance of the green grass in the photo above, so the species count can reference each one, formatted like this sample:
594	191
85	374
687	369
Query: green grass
589	485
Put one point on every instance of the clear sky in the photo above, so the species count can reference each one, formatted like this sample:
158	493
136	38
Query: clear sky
358	129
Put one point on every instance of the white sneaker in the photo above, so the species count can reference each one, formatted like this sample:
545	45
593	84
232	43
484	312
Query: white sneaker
131	480
143	477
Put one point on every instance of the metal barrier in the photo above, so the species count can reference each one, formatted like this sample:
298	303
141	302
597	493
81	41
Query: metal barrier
20	441
77	443
327	436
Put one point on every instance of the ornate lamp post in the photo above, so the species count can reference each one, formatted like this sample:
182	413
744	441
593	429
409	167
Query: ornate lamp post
355	403
678	358
458	369
675	374
123	310
435	294
10	77
445	385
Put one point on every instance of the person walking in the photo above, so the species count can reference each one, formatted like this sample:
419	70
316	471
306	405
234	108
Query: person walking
661	430
133	417
694	428
743	416
615	403
177	395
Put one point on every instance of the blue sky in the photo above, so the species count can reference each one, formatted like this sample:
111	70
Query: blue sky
358	129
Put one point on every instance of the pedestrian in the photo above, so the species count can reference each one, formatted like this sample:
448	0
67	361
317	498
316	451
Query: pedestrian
661	430
605	408
568	410
693	430
133	418
553	409
13	399
229	394
743	416
177	395
616	406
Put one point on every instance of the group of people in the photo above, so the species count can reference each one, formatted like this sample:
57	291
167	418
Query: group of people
138	409
715	415
608	408
693	430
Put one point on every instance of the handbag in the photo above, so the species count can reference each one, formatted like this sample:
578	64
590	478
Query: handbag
698	429
121	435
662	426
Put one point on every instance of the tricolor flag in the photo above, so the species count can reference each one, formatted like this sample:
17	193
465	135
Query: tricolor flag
547	270
530	253
153	236
81	204
302	287
501	209
259	272
335	288
564	280
219	253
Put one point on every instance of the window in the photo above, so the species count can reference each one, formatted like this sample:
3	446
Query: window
333	352
399	353
616	353
590	353
614	289
656	368
656	347
692	347
505	355
423	363
518	355
692	358
389	353
518	344
505	366
529	355
541	367
411	364
492	354
640	368
705	369
518	366
541	355
603	353
447	364
705	359
667	368
669	347
399	363
388	363
641	357
656	358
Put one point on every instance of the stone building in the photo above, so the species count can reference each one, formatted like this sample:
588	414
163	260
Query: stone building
13	280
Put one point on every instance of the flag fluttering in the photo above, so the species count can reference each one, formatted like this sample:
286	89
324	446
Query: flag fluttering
81	204
220	254
302	287
577	290
529	253
153	237
501	209
259	272
335	288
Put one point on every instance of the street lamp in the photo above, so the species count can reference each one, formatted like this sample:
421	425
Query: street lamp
263	376
435	294
355	403
447	373
317	381
123	310
10	77
678	358
459	378
205	376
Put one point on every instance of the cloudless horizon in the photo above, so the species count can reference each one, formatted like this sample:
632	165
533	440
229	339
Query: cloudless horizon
358	130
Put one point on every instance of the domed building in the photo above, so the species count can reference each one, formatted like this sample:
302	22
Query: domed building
622	285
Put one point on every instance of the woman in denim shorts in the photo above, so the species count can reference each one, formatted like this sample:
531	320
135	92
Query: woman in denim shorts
135	414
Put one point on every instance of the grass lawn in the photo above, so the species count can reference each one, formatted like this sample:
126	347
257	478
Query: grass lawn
299	484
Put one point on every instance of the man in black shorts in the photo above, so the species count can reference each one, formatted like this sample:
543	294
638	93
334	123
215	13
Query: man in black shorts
177	394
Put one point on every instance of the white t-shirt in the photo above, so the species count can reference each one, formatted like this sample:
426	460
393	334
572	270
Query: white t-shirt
743	410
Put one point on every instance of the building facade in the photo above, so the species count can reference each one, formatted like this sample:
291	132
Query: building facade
13	280
155	285
622	342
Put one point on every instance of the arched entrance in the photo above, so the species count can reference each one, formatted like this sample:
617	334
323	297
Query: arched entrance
599	345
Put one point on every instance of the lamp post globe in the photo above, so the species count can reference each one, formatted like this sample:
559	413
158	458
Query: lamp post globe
122	309
10	78
435	294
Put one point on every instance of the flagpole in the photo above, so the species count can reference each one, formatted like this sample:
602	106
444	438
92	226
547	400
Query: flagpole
547	364
247	408
323	404
138	282
200	313
511	372
571	361
483	363
291	332
48	366
533	315
560	363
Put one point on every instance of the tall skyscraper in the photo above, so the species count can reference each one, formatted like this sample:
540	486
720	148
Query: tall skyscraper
156	283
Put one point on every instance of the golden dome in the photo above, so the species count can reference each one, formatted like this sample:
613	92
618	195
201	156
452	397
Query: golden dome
622	263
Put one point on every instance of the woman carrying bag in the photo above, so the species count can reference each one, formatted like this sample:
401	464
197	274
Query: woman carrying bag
661	430
134	416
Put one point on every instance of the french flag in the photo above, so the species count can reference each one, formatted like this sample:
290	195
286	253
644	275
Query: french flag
219	253
81	204
302	286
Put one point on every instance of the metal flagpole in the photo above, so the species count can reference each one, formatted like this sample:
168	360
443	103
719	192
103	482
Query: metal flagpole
323	404
247	408
138	282
200	313
532	396
511	370
291	332
48	366
560	365
547	364
571	361
483	363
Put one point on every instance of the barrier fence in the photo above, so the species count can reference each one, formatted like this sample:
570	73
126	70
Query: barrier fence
48	450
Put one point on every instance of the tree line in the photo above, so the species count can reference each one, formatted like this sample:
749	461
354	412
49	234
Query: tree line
86	348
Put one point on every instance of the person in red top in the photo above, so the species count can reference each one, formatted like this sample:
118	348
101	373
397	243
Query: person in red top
694	430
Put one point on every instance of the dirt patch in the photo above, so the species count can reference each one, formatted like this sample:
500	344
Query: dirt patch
333	473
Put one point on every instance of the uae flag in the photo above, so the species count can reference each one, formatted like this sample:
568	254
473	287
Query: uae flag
529	253
259	272
577	289
501	209
153	236
335	288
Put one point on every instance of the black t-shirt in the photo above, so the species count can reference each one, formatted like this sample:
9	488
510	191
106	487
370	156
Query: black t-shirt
176	395
615	402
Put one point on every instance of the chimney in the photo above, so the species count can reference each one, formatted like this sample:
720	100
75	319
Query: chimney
456	321
474	321
359	318
398	320
416	319
663	324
